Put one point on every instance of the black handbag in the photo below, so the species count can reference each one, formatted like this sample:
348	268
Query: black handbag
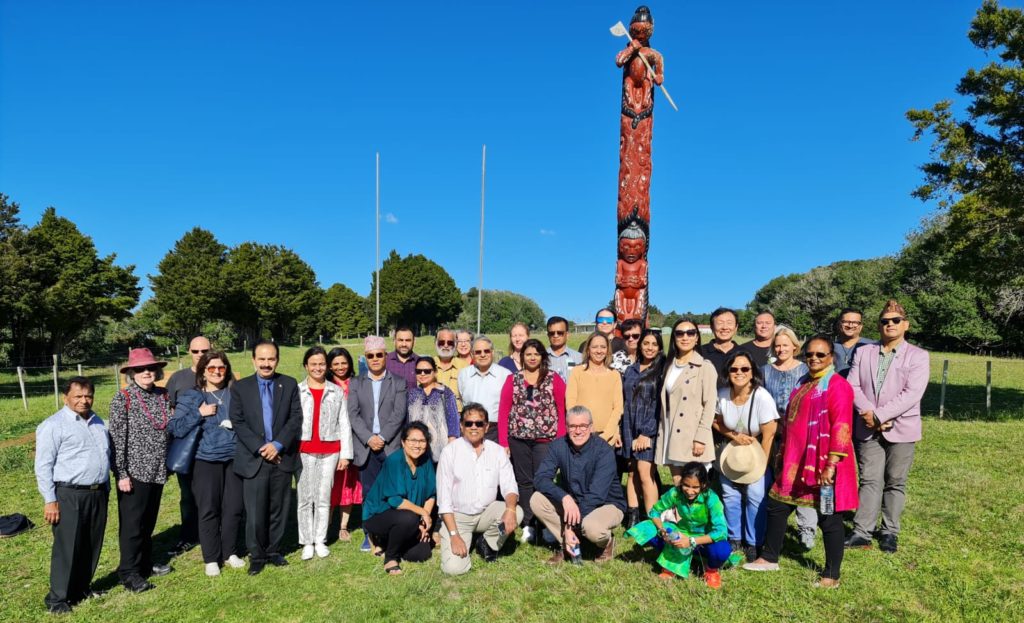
181	452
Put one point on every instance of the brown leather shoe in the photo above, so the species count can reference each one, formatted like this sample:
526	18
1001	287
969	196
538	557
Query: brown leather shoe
608	553
557	558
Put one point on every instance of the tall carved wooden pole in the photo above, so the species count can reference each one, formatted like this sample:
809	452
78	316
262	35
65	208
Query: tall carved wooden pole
635	130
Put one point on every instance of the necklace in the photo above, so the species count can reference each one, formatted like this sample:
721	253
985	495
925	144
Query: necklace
163	407
219	399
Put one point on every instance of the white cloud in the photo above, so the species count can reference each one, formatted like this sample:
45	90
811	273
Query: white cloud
390	218
547	232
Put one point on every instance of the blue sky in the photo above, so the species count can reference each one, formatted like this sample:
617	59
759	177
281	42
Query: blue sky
260	121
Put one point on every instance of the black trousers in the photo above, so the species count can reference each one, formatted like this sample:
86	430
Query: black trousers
492	433
398	532
267	497
77	542
136	515
527	455
189	509
831	530
218	491
369	470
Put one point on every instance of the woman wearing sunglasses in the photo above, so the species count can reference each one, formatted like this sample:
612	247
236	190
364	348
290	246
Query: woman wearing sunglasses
531	414
746	417
433	404
139	415
688	396
218	489
817	452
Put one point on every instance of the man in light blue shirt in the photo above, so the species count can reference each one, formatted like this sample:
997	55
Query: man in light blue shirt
73	475
561	359
848	329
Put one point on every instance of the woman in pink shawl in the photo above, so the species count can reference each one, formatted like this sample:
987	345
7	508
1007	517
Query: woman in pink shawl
817	451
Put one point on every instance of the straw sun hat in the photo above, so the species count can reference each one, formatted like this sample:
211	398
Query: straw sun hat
742	464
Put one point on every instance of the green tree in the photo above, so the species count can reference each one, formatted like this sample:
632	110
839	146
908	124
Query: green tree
72	288
499	310
269	288
343	313
416	291
976	170
189	288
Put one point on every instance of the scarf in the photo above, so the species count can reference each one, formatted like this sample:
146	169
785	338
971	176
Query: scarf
818	426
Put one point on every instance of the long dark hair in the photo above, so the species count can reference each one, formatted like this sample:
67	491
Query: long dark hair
334	353
654	373
204	361
694	469
543	369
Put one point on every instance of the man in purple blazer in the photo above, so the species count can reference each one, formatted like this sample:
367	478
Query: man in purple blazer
888	379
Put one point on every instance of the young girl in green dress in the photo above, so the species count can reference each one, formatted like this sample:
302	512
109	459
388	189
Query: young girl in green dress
689	519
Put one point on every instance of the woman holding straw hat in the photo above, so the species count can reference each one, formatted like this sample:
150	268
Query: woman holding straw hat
746	416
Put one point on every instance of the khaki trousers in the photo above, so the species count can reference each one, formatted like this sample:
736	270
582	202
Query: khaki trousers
597	526
467	525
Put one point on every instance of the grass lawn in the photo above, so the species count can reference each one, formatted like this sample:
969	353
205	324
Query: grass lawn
960	553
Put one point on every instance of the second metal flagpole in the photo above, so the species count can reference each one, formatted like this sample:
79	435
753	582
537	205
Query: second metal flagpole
377	265
480	284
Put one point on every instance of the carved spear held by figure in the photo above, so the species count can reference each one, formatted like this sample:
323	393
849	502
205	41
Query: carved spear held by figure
619	30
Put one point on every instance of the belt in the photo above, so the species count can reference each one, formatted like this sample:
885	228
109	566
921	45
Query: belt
68	485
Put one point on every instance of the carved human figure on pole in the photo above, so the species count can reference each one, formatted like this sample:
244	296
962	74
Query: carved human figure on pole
636	123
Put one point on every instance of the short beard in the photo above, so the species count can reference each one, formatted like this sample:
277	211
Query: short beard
445	353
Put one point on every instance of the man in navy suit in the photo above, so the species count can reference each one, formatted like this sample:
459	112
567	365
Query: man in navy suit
377	404
266	416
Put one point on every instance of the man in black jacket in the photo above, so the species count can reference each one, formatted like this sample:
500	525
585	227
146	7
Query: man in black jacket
266	416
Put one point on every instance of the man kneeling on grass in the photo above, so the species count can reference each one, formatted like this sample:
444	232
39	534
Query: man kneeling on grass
470	473
587	494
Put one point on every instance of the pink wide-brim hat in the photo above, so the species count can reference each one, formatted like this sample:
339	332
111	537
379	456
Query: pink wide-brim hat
139	357
374	342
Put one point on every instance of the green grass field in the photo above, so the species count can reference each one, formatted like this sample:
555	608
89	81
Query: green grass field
960	556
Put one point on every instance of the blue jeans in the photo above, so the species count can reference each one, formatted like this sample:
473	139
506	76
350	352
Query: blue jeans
714	554
746	509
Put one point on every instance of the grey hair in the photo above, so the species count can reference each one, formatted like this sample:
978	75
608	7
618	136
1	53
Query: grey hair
483	338
460	330
580	410
129	375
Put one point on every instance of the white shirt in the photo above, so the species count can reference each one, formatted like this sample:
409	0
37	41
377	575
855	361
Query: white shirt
483	388
467	483
760	408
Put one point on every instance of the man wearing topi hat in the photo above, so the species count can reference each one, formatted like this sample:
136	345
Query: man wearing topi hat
376	409
266	416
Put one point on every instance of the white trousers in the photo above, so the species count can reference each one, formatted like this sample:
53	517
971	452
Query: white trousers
314	493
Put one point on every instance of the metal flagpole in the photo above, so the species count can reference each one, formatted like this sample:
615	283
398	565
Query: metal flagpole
480	284
377	265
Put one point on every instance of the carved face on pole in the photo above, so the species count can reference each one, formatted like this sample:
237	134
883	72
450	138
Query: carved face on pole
632	249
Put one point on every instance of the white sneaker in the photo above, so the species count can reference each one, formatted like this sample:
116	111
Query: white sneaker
212	569
307	552
321	550
527	535
761	566
235	562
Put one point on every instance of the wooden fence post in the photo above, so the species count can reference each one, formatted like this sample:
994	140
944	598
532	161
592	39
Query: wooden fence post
80	370
21	382
56	391
177	354
117	379
942	392
988	389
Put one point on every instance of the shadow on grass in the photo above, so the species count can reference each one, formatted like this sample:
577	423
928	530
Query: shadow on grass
967	402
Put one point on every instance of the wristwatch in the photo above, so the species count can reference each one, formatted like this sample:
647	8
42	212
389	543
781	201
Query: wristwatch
453	533
693	542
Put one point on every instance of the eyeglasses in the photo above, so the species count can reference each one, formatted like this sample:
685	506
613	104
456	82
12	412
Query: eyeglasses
605	320
891	320
474	424
813	355
685	332
142	369
374	355
851	323
578	426
480	353
632	336
739	369
216	368
555	333
420	372
419	442
446	342
200	351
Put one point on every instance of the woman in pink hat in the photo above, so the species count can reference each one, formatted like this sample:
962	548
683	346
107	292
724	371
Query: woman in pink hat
139	415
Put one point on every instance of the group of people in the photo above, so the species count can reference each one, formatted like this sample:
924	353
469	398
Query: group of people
457	451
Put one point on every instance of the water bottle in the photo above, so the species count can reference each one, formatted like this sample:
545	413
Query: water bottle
827	500
501	529
575	553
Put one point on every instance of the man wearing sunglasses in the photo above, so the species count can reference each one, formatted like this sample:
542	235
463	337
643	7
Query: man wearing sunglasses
561	359
180	382
448	365
888	380
482	382
470	475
